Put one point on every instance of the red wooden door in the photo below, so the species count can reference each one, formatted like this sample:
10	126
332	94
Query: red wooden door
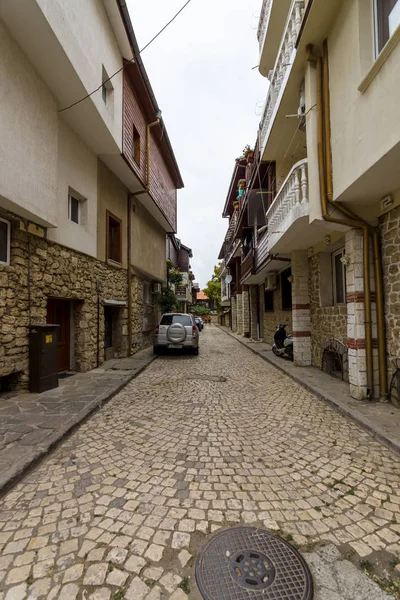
58	313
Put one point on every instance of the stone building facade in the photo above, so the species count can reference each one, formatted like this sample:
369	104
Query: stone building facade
272	318
327	322
390	238
40	270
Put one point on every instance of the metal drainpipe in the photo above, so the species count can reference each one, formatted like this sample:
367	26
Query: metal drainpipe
129	278
325	175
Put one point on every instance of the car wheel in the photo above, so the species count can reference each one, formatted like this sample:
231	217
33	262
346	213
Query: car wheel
195	351
156	350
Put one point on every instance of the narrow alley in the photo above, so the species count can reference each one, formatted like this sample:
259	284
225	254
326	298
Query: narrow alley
121	508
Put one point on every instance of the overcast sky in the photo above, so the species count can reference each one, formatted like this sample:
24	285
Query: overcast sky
201	71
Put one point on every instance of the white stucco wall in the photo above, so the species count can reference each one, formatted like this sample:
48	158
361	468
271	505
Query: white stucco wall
77	169
28	133
88	49
365	126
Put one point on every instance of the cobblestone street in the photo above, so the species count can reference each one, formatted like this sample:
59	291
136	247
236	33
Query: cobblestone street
121	508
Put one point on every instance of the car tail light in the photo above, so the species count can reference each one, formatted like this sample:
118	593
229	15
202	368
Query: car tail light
194	331
156	331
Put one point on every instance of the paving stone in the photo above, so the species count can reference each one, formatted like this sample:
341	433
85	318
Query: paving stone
69	592
180	540
178	595
154	553
184	556
18	574
138	590
153	573
39	589
117	577
135	564
17	592
95	574
101	594
73	573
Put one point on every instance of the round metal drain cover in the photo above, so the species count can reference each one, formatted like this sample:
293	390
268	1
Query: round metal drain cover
245	563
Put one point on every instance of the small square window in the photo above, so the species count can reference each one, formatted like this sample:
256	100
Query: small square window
136	146
74	209
5	235
114	238
339	277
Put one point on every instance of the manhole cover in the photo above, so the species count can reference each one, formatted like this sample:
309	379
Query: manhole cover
245	563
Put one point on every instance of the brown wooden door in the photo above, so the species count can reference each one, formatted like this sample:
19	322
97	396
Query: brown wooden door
58	313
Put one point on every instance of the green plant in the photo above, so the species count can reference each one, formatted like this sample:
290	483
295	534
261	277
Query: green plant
167	301
213	289
366	566
184	585
199	311
247	150
241	183
118	595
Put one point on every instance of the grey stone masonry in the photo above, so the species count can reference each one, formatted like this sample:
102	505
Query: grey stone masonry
301	308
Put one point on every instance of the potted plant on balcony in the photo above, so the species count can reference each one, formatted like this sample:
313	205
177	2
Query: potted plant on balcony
248	153
235	204
241	184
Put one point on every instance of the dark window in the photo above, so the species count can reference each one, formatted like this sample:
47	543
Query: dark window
136	146
104	93
74	209
114	240
387	21
172	319
108	327
269	301
4	242
286	287
339	277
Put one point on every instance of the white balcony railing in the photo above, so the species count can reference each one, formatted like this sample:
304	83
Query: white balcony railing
282	63
292	194
262	24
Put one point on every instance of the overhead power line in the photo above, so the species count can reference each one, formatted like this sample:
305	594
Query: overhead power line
131	60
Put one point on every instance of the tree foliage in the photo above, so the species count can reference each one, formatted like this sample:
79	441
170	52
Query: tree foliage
199	310
173	274
213	289
167	301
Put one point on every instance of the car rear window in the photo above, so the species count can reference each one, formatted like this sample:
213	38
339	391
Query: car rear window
172	319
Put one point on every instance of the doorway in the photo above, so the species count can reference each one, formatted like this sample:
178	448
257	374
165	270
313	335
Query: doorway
58	313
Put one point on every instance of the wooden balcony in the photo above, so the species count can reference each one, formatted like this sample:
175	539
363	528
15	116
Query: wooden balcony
247	264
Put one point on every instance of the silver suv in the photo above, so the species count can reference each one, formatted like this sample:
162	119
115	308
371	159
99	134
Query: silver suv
176	330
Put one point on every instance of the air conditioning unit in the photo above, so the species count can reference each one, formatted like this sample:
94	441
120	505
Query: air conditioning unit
156	289
270	282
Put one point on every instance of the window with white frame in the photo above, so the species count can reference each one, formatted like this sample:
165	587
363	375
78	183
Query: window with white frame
339	277
77	208
387	19
5	235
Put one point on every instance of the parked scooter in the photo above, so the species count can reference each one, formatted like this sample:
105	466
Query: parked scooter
283	345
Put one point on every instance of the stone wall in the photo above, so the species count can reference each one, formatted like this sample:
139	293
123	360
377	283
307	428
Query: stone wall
278	315
234	313
390	240
54	271
326	321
